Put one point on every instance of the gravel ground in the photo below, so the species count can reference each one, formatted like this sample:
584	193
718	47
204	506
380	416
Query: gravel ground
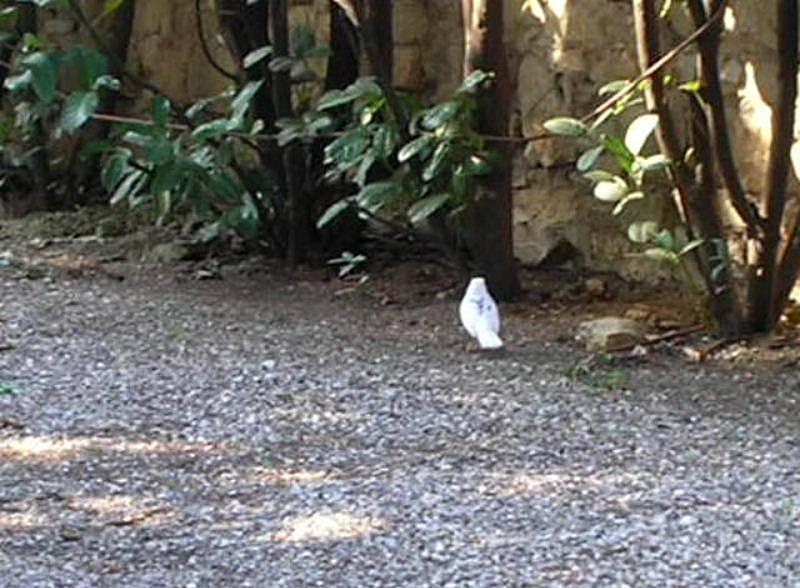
254	432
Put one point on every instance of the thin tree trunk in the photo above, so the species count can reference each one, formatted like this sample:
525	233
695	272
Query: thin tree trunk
300	229
117	31
343	62
774	282
697	201
485	50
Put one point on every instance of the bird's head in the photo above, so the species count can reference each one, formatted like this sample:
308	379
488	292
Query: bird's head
477	286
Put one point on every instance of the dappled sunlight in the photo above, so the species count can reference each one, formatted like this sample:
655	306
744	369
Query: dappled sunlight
332	526
553	484
286	476
35	448
756	112
20	521
729	19
122	510
42	448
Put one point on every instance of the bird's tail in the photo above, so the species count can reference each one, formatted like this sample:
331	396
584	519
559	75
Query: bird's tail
488	339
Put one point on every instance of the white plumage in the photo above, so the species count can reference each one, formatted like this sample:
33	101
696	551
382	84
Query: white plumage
479	315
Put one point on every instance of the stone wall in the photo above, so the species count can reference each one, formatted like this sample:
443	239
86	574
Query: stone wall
561	52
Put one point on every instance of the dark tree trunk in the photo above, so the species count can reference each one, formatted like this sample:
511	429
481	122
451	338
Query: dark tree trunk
491	243
774	282
117	31
300	227
698	199
345	48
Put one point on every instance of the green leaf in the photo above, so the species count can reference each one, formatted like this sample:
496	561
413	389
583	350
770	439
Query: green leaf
106	82
570	127
474	81
643	231
589	158
662	255
128	187
612	87
19	82
44	75
627	200
611	190
415	147
212	129
256	56
692	87
665	239
691	246
347	150
599	175
623	155
78	108
653	163
363	169
439	115
91	64
422	209
161	108
333	211
115	168
166	178
159	150
385	141
477	165
639	131
437	162
241	103
374	196
280	64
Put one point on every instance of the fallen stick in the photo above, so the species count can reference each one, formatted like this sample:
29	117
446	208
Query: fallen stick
668	336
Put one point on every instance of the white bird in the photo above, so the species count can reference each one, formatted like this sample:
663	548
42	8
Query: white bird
479	315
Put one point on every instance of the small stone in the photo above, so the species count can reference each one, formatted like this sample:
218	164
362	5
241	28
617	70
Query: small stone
595	286
609	333
169	252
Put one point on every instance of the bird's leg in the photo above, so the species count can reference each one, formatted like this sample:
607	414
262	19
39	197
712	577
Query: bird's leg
472	346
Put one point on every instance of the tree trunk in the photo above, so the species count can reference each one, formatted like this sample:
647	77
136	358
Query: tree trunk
774	282
116	29
492	233
343	62
300	228
697	199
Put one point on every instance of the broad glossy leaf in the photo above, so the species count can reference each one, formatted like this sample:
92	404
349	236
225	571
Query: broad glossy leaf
374	196
611	190
643	231
569	127
422	209
589	158
161	108
639	131
437	162
128	187
256	56
78	108
420	145
439	115
333	211
44	75
347	150
638	195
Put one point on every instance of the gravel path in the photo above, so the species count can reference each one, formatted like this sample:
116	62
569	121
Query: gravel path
251	432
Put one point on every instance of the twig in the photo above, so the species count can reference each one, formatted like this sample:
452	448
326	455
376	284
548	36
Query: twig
668	336
668	58
201	32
